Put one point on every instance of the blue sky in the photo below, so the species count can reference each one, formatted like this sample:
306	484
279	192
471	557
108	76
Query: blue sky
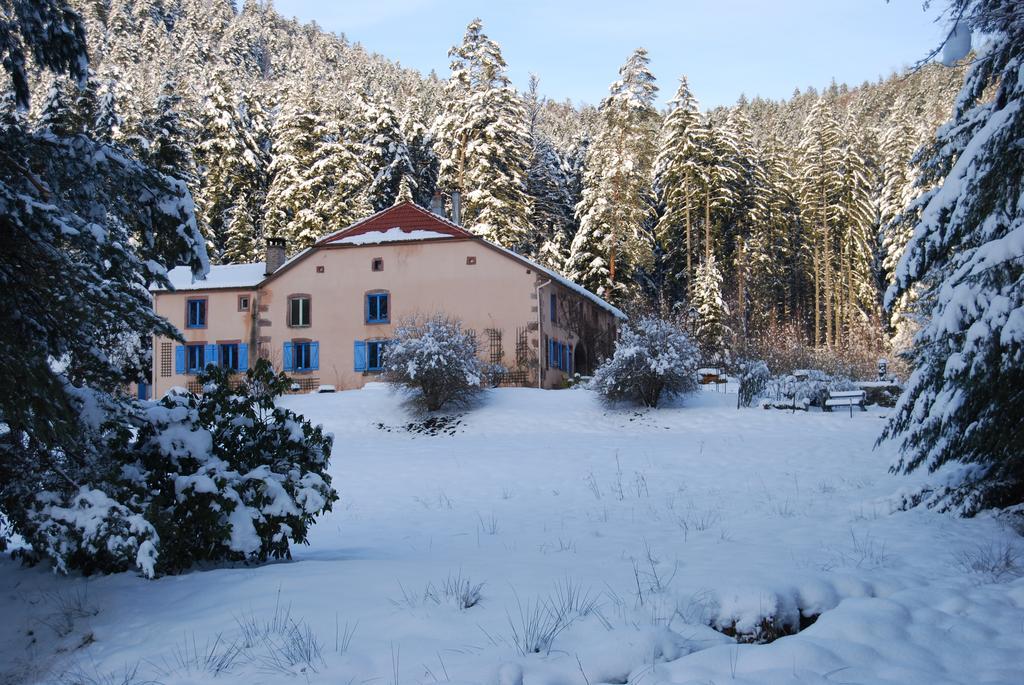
725	47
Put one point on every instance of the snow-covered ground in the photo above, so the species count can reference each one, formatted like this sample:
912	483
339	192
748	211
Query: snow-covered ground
626	532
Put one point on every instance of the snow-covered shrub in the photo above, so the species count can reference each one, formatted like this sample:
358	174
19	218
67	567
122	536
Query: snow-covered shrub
227	475
435	361
808	391
92	532
754	377
222	476
653	359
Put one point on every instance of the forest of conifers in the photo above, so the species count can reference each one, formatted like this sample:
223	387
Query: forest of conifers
767	219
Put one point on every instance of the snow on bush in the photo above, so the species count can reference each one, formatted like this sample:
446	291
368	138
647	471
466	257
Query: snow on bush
435	361
653	360
222	476
807	390
754	377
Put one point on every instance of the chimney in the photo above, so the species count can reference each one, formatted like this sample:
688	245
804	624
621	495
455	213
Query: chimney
456	208
275	254
437	204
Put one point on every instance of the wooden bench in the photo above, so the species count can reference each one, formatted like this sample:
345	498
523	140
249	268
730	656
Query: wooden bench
845	398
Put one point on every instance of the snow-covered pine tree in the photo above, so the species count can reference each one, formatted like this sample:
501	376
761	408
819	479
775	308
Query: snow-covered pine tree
92	227
548	186
386	155
233	167
720	174
819	194
617	203
318	179
857	292
419	142
678	176
900	141
964	401
482	142
166	136
770	248
742	207
713	333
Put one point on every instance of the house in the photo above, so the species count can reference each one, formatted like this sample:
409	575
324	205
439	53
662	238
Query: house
324	315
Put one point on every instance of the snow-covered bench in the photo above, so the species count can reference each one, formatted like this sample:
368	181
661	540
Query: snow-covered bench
845	398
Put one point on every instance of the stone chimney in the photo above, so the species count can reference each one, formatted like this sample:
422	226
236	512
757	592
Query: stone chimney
456	208
275	254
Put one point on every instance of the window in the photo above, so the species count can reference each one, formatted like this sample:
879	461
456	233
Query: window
470	261
375	355
299	311
195	313
229	356
301	356
377	308
243	303
377	264
369	355
554	302
195	358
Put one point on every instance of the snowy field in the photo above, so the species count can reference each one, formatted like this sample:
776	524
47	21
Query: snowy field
609	540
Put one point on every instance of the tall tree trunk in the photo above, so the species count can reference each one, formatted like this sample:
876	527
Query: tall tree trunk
741	304
827	258
816	262
707	222
689	246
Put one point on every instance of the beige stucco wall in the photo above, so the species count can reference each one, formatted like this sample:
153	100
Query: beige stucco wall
224	324
422	278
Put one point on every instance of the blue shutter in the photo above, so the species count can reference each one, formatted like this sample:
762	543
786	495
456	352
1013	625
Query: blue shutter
211	354
179	359
243	357
366	308
288	356
314	355
359	354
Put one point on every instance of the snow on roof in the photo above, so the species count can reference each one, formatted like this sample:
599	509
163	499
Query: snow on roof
220	276
561	280
416	222
393	234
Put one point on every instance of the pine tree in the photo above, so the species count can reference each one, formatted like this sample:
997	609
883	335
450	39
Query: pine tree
820	193
857	296
770	247
92	226
964	401
167	134
616	204
678	174
387	156
233	171
318	178
423	158
482	142
712	311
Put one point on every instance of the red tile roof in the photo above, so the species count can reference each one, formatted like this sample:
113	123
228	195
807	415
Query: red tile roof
406	216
